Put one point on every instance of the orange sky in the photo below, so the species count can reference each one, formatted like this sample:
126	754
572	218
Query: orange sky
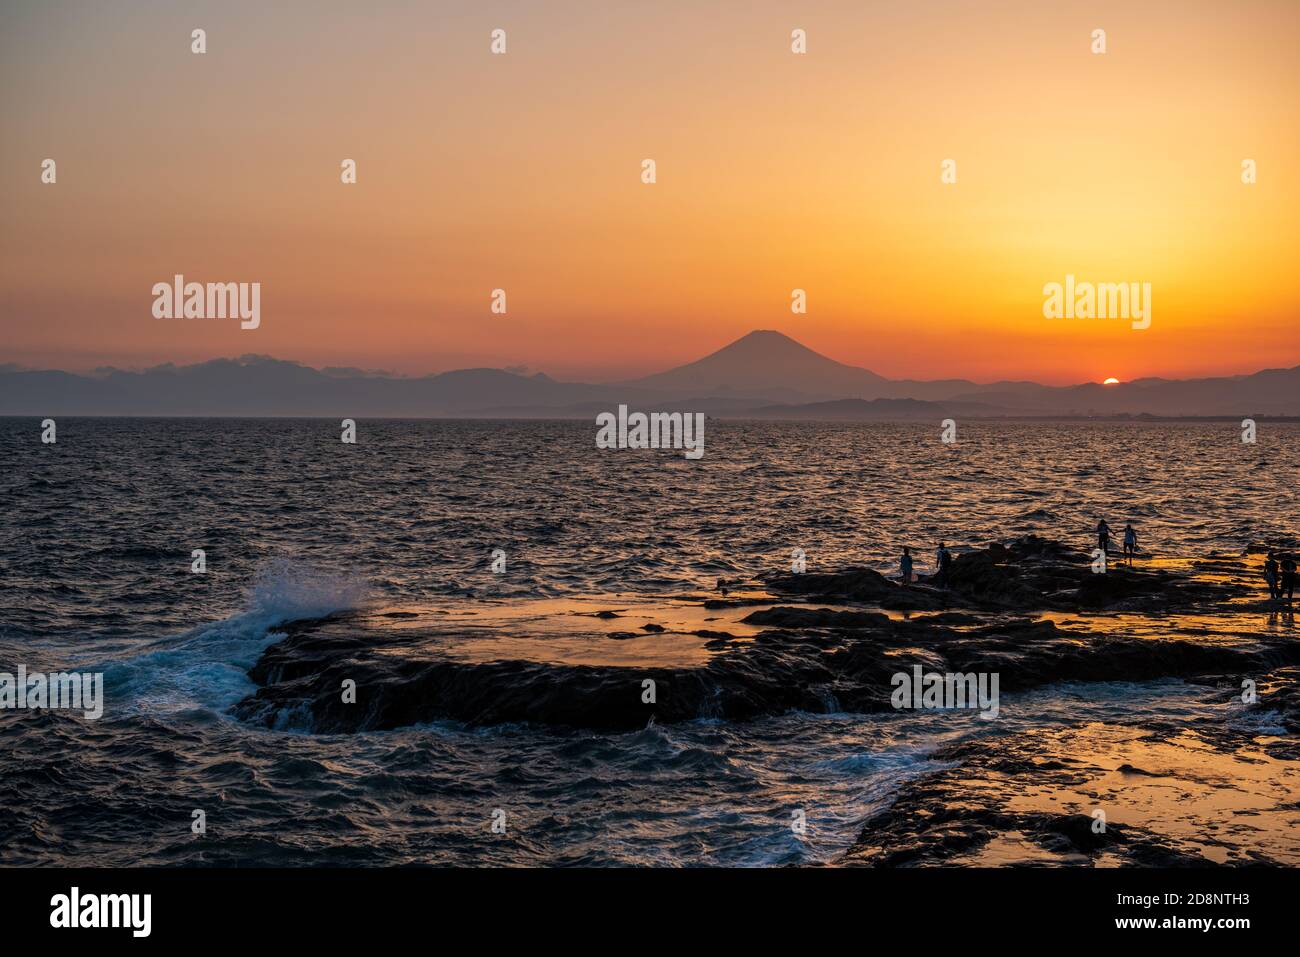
775	171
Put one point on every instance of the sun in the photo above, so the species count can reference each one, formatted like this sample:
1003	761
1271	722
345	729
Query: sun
1111	381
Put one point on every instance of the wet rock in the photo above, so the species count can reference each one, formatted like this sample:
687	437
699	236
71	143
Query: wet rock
393	691
974	814
808	658
858	584
800	617
1130	769
813	660
1028	573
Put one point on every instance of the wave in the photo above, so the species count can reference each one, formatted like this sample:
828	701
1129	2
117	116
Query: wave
206	667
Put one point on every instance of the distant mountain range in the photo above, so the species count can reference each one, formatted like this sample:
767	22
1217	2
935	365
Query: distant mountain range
761	375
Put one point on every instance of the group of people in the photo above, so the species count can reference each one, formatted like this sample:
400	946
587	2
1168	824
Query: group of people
1280	577
942	563
1130	540
1280	573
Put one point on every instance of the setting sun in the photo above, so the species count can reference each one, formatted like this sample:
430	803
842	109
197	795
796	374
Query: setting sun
1111	381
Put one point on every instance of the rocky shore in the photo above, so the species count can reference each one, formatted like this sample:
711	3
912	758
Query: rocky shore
800	653
1147	790
1031	574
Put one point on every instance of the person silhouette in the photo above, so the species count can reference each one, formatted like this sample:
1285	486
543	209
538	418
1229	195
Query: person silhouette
1103	536
1271	577
905	565
1288	579
1130	542
942	560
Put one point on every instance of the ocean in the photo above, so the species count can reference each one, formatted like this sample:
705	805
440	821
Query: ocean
97	538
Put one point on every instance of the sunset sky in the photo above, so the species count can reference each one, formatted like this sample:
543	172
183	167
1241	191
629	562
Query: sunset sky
775	171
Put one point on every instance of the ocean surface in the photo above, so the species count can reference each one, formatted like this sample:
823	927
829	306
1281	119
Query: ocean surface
96	535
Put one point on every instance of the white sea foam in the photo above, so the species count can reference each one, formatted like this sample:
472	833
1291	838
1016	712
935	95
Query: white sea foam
287	590
207	666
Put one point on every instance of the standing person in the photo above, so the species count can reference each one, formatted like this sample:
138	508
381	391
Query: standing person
942	560
1288	578
1130	542
1103	536
905	565
1270	576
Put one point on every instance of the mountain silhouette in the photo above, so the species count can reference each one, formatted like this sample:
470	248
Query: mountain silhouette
761	375
767	365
